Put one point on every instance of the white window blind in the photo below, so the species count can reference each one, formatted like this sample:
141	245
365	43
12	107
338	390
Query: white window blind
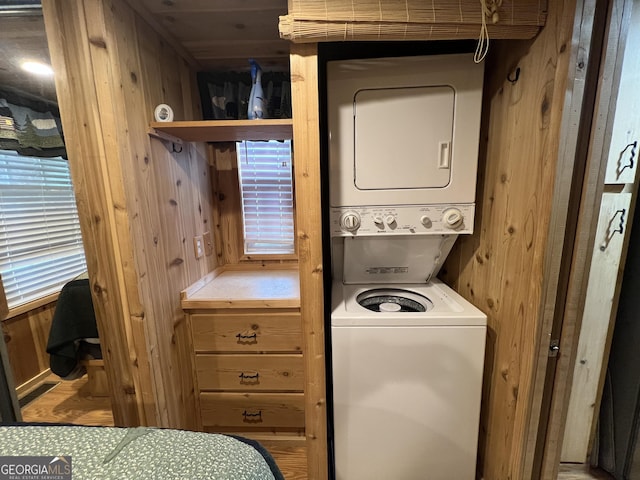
40	241
267	196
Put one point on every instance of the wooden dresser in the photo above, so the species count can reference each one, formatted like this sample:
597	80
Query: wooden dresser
247	352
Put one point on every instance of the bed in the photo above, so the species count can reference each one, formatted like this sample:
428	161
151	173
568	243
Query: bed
140	453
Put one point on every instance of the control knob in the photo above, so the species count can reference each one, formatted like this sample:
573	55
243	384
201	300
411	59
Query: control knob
391	221
452	218
350	221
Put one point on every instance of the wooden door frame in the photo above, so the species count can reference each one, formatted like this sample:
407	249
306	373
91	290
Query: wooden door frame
606	49
306	151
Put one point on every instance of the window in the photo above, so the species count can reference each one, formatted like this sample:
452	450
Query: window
40	241
266	189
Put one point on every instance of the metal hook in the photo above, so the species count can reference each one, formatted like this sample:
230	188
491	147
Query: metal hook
174	149
516	76
611	233
631	157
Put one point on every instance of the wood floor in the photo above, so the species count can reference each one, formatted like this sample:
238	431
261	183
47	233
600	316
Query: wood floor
70	402
581	472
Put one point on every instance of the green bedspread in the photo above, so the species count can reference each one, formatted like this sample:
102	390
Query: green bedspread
139	453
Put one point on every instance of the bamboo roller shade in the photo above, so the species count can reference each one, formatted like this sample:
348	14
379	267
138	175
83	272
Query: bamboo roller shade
335	20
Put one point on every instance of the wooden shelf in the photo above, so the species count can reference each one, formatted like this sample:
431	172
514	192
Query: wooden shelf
225	130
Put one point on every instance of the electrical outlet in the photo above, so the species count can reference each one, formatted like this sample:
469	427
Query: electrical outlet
208	243
198	246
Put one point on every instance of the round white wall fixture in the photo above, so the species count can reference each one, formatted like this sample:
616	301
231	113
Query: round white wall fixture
163	113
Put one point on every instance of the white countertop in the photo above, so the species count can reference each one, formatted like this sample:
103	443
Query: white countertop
244	289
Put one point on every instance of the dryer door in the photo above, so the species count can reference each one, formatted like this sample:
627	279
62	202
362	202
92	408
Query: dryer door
403	137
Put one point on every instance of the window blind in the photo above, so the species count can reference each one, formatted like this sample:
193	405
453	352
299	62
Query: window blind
267	196
40	241
337	20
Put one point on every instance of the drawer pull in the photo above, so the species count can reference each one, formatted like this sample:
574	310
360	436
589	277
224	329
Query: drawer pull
243	377
252	417
242	338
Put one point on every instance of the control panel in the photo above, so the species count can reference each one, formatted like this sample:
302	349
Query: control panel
402	220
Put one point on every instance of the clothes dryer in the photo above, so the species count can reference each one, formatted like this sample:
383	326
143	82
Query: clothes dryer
407	350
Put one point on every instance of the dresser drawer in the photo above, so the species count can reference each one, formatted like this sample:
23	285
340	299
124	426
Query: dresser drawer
259	332
250	372
280	410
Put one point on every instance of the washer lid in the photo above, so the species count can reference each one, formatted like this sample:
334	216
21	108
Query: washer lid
449	308
394	259
387	300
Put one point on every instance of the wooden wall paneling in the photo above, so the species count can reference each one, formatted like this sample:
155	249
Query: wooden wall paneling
209	30
171	66
69	45
170	218
40	323
306	141
195	195
228	215
149	214
161	225
20	347
202	201
218	248
200	187
9	407
162	31
186	203
507	267
105	29
26	337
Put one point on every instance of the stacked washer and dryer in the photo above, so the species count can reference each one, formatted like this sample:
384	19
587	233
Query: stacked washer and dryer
407	351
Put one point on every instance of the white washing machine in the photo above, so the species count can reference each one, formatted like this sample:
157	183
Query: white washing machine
407	367
406	384
407	351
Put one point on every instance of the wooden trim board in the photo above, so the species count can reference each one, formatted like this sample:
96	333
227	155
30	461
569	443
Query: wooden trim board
306	140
